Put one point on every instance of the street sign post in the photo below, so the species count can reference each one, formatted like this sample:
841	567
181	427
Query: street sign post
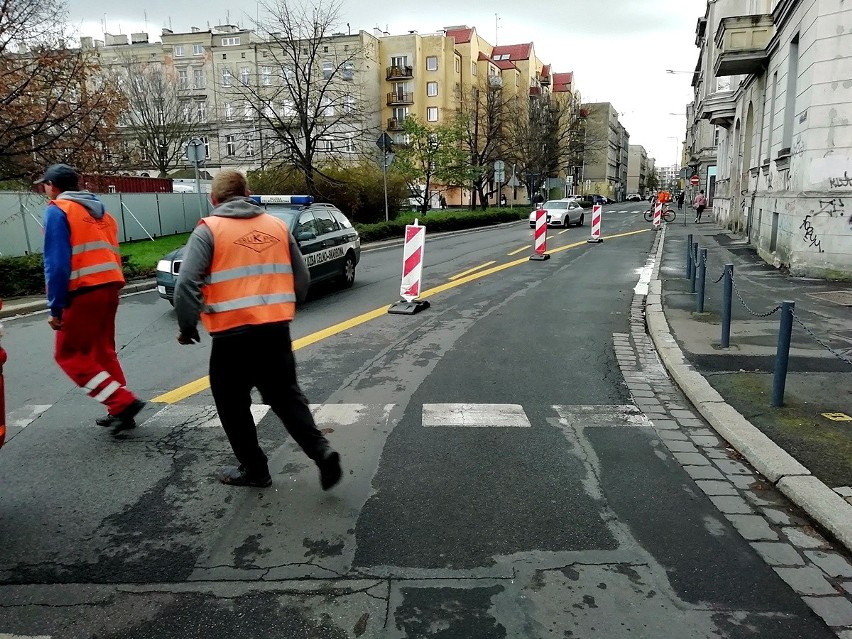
385	143
195	154
694	180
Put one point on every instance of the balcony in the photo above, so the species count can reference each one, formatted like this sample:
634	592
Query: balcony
395	124
495	81
742	43
400	73
720	108
396	98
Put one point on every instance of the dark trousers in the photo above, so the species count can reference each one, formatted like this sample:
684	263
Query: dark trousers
260	357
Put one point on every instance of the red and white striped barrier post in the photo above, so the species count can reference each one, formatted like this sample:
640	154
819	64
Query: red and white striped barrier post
596	225
412	272
658	215
540	236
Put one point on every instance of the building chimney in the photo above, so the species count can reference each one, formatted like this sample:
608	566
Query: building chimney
139	38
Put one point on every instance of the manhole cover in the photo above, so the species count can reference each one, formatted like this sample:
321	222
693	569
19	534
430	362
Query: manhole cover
844	298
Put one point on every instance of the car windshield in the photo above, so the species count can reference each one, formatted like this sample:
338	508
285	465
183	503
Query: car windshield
286	213
555	204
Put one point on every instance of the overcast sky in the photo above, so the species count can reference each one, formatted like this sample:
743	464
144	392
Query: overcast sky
619	50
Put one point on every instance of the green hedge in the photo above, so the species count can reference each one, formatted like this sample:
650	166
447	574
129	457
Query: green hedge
25	275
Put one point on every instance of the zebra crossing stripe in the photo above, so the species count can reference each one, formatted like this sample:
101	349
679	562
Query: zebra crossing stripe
475	415
602	416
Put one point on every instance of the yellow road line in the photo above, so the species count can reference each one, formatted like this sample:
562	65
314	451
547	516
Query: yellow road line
202	384
471	270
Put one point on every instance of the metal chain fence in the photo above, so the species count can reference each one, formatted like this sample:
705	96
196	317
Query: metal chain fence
837	354
740	298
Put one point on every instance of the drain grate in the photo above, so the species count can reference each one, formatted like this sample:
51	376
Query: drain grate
844	298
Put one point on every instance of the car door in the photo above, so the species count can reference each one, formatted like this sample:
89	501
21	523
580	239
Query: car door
331	249
307	236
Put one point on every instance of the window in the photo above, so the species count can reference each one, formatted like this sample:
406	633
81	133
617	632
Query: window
400	61
178	50
288	108
224	56
249	147
269	109
226	77
230	42
399	114
349	104
306	224
431	63
517	79
186	109
206	142
201	111
432	114
325	222
230	145
197	49
229	111
792	88
198	78
715	136
327	70
266	75
431	89
349	143
183	79
248	112
771	131
325	49
327	107
244	75
458	65
287	75
348	70
473	68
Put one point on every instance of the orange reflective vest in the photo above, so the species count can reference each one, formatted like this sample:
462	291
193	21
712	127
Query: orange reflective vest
664	197
95	256
251	275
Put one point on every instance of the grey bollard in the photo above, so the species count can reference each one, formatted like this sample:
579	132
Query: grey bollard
702	268
694	271
782	354
727	286
689	256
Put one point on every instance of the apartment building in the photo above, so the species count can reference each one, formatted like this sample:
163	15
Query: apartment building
605	161
637	169
669	177
772	77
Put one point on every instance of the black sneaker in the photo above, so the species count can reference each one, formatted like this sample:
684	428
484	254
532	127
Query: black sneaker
125	419
106	420
241	477
329	467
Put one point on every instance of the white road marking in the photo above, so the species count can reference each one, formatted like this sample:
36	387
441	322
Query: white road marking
24	416
644	273
195	416
475	415
601	416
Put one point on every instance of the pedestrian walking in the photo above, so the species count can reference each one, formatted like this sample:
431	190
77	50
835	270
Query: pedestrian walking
502	200
700	204
680	198
242	274
83	274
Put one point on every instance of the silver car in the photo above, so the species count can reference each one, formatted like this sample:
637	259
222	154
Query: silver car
564	212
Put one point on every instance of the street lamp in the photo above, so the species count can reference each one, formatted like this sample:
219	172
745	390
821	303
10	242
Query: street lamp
670	71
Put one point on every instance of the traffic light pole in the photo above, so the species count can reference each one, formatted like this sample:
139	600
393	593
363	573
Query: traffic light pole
385	179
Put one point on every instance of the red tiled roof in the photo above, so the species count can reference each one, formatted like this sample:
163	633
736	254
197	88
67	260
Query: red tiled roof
562	81
515	51
504	64
482	57
461	35
545	71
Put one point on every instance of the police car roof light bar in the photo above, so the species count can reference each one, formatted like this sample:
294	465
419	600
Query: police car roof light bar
283	199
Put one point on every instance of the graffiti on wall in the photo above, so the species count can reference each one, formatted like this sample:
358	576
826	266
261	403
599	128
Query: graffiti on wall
810	234
830	207
840	182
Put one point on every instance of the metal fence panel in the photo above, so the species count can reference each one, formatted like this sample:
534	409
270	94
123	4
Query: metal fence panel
172	215
13	238
32	209
141	216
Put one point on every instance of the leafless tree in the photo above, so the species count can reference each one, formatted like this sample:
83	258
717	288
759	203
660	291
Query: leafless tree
159	120
484	112
53	104
307	102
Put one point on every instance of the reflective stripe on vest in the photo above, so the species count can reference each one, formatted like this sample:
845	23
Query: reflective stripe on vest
95	256
251	276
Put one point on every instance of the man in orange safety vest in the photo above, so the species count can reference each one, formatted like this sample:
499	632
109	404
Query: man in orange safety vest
242	273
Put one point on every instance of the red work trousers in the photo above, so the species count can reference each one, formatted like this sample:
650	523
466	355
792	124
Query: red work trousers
85	347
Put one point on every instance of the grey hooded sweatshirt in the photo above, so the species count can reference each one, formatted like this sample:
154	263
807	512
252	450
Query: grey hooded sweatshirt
198	256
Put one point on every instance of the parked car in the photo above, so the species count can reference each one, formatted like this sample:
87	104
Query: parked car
564	212
2	389
634	197
329	243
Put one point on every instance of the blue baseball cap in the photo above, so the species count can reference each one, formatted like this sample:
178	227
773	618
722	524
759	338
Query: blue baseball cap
60	175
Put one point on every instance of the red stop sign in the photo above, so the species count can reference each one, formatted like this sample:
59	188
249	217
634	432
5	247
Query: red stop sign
694	180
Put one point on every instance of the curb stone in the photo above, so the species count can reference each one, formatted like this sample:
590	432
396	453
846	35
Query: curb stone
794	480
23	308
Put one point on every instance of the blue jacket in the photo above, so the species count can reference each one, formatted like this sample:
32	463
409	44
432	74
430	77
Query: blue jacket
57	247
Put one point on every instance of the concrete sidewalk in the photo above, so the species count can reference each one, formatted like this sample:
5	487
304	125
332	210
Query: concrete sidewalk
804	447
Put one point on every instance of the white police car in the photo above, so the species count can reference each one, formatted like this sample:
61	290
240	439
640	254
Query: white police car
328	241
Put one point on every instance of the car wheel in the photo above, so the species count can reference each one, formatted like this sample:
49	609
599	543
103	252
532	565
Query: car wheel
347	273
581	220
567	222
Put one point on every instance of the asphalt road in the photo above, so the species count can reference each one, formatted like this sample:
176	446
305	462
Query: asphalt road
481	498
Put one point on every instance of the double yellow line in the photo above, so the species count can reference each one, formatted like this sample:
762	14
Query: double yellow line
203	384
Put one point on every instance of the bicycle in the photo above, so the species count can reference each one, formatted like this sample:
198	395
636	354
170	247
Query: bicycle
668	215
